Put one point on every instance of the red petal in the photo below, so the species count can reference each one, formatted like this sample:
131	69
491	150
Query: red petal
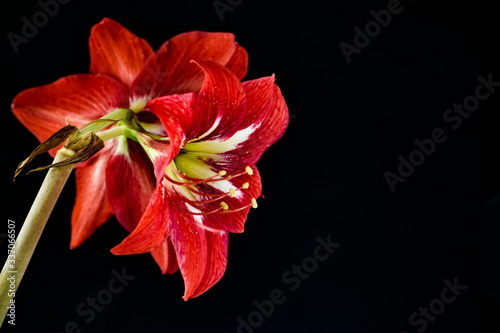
201	254
91	208
216	263
176	115
164	255
117	52
159	152
267	113
129	181
150	233
235	221
238	63
169	71
264	122
81	98
220	105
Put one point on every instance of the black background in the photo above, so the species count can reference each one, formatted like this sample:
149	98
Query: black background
324	178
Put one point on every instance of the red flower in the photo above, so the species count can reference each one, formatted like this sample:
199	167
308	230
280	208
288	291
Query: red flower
182	136
209	181
124	73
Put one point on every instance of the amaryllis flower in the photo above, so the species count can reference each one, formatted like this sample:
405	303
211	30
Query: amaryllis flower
125	74
182	136
207	181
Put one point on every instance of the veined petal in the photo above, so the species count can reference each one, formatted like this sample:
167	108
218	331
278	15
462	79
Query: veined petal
264	123
221	104
201	254
267	113
117	52
235	221
159	152
129	181
216	263
176	113
91	208
82	98
164	255
150	233
238	64
169	71
239	190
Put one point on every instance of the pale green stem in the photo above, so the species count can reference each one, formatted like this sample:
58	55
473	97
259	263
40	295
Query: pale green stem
28	236
112	133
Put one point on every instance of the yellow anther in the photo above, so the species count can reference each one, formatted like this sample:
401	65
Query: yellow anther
245	185
254	203
249	170
232	192
222	173
224	205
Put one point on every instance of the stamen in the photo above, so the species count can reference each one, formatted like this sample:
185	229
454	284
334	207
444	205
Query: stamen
196	181
190	182
254	203
232	194
206	213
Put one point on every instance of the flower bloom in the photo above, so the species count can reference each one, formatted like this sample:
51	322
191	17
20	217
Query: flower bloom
208	182
182	136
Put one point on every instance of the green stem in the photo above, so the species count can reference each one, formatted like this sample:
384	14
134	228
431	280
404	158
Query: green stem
27	239
112	133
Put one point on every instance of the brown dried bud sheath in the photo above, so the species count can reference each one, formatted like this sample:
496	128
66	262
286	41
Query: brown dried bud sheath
79	149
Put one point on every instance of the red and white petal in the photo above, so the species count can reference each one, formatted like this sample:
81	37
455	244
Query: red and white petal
235	220
176	113
267	113
151	231
158	151
220	106
201	254
264	123
78	99
212	114
216	263
164	255
117	52
169	71
129	181
91	208
204	166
